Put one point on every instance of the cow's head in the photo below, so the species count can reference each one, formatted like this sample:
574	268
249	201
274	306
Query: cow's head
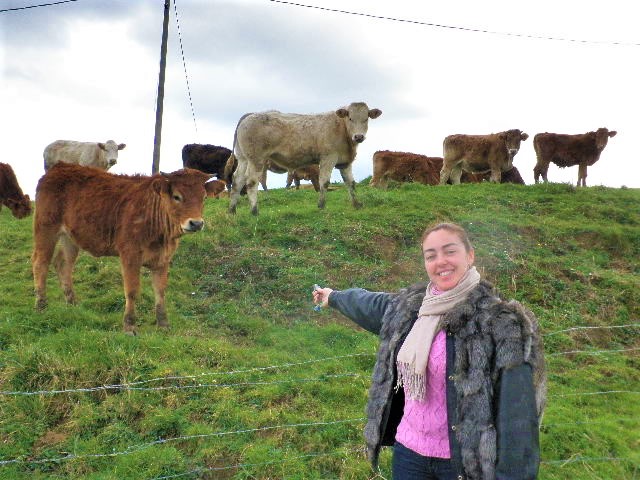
21	207
183	193
512	139
356	118
602	137
110	152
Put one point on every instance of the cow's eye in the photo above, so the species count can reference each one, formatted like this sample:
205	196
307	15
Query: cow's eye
176	197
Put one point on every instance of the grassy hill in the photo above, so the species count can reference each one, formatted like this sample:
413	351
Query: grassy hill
251	383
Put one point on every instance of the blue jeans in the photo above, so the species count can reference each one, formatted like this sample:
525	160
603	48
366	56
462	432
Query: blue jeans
409	465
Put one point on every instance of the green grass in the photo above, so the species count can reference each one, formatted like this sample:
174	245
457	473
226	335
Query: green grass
239	302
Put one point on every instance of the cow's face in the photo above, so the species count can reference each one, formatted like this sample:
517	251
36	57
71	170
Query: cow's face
602	137
183	193
20	208
110	152
356	118
512	139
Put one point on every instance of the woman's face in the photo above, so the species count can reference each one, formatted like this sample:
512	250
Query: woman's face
445	258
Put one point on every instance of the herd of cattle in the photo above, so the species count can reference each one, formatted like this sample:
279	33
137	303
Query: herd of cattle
141	218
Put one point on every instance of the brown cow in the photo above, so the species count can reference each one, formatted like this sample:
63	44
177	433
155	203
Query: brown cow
11	195
479	154
208	159
138	218
510	176
568	150
309	172
404	167
412	167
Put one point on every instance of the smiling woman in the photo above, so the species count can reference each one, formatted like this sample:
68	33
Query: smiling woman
459	384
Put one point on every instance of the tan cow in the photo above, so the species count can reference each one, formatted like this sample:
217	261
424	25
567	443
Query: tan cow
88	154
480	153
11	195
290	141
564	150
138	218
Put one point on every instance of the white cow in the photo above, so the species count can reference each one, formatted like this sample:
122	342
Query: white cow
88	154
291	140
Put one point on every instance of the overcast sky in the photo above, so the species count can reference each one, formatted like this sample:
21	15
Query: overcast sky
88	71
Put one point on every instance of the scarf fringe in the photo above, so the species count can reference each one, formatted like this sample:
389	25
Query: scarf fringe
414	384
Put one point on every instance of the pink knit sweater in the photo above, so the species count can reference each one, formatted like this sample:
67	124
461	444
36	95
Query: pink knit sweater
423	427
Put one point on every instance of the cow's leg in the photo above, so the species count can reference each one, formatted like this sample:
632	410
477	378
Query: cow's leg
316	183
347	178
289	179
64	262
455	174
237	184
263	178
582	175
44	244
159	279
445	173
496	175
254	173
131	281
324	178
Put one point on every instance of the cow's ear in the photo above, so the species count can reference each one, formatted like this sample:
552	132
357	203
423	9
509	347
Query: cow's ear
524	136
374	113
160	184
121	146
215	187
613	133
101	146
342	112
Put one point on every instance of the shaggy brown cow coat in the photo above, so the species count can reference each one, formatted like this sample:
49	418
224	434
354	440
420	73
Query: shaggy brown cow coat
567	150
11	195
138	218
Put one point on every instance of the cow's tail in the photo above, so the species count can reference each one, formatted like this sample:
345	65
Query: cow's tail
232	161
228	168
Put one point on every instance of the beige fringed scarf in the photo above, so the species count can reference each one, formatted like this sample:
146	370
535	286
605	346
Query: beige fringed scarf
414	353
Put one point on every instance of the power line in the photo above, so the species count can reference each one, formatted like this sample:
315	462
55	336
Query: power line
36	6
453	27
632	325
184	64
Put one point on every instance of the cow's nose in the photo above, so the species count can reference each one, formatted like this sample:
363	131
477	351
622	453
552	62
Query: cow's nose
195	225
358	138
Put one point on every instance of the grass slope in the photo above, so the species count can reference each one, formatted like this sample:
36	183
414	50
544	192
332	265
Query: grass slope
268	388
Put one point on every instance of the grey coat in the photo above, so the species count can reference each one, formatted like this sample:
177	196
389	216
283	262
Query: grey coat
496	383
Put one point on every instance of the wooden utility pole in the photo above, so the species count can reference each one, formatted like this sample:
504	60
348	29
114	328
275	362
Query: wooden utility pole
155	168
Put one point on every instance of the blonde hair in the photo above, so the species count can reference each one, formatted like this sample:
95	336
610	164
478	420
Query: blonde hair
450	227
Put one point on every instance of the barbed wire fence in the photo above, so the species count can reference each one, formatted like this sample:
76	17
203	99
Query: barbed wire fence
144	385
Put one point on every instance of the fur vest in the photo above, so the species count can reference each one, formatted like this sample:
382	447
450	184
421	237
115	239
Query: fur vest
490	334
